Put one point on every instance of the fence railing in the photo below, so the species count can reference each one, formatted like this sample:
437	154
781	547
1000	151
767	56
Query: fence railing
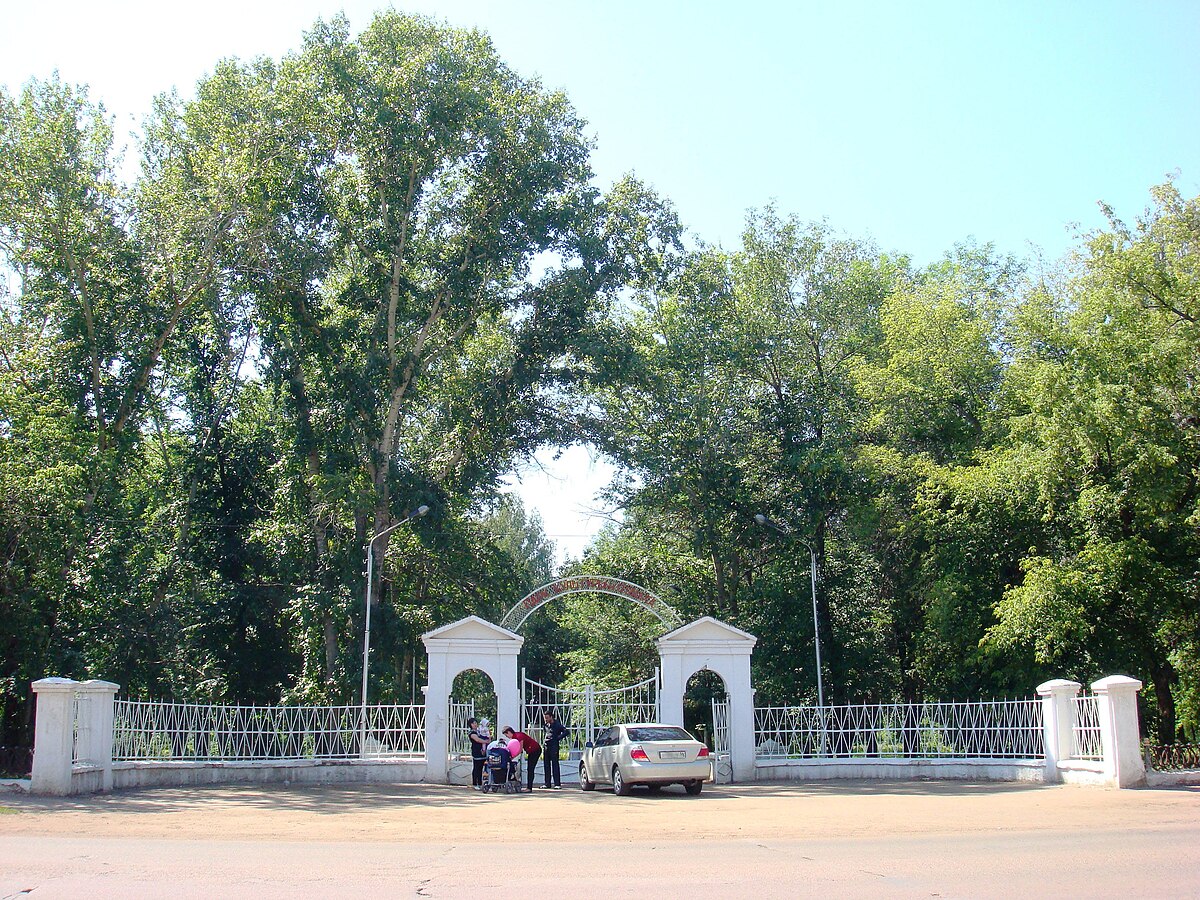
1171	757
635	703
460	732
1085	729
720	714
150	730
583	711
998	729
78	739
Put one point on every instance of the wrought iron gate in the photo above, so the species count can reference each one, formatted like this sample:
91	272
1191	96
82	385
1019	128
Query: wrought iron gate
460	744
722	767
586	710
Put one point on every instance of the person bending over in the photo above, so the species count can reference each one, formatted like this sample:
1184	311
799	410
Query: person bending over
533	750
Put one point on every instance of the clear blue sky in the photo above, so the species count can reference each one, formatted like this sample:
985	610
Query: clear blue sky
916	124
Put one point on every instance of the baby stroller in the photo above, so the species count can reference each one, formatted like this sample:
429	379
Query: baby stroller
498	769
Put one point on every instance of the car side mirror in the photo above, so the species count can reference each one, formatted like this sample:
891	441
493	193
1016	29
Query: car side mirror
589	745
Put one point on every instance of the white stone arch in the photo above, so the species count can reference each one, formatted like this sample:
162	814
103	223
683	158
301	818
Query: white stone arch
590	584
708	643
470	643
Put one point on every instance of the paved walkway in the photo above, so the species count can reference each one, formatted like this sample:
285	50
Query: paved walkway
843	839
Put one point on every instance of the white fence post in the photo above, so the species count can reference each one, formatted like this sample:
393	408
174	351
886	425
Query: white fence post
1058	720
95	740
1120	734
53	736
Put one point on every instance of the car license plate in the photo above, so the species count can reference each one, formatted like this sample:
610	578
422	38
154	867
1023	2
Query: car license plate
671	754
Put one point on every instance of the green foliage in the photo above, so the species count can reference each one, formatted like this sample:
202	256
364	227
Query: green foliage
474	686
311	313
376	274
1106	380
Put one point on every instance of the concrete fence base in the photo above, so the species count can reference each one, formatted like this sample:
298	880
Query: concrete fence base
1182	778
1031	771
298	771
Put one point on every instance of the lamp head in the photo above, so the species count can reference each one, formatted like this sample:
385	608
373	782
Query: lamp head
763	522
421	510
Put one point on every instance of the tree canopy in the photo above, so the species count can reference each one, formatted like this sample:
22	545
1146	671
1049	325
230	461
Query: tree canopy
377	273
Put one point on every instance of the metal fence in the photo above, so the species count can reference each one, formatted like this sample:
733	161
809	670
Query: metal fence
460	732
585	710
996	729
720	713
1085	730
78	705
1171	757
149	730
635	703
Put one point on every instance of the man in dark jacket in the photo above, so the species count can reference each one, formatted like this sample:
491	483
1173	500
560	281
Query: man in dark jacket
555	731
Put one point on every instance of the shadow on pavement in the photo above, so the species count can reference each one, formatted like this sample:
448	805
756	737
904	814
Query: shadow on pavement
334	799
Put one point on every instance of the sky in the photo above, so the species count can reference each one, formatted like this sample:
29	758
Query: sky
916	125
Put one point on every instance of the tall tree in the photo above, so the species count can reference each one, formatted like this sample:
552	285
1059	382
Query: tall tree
808	309
930	408
96	298
1110	434
406	185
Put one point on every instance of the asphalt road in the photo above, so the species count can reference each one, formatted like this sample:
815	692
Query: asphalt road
845	840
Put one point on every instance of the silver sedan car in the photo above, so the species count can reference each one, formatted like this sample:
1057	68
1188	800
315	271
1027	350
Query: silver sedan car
650	754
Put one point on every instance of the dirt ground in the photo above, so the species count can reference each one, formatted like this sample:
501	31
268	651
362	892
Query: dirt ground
856	839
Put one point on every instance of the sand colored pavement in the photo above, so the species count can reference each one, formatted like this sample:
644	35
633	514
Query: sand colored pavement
432	813
845	838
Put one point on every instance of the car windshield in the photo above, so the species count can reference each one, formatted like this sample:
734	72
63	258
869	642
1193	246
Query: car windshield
658	733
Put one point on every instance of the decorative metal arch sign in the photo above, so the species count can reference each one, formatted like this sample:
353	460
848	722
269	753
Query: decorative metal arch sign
583	584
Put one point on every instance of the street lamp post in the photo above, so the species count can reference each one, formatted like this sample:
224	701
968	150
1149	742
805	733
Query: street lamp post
420	511
764	522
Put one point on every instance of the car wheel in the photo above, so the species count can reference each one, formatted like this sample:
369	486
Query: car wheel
694	787
585	783
620	788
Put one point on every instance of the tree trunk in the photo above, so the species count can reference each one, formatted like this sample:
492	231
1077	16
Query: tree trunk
719	579
322	570
1165	677
331	648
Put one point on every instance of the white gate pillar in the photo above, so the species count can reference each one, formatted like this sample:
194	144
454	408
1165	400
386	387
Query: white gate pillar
674	685
1120	734
1058	720
437	717
53	736
95	727
470	643
711	644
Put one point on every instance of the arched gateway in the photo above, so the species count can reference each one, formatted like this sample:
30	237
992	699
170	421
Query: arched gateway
473	643
585	584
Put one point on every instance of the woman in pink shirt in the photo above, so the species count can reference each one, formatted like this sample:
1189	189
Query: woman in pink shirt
533	751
